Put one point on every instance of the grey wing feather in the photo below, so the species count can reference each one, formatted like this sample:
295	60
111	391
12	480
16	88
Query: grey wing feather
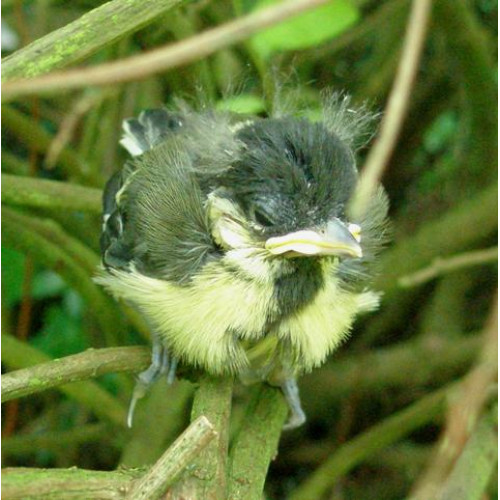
119	246
167	213
150	129
154	217
116	246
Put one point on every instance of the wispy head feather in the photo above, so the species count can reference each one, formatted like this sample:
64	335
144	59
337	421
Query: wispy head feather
354	125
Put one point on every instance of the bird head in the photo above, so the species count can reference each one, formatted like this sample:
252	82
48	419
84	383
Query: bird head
286	194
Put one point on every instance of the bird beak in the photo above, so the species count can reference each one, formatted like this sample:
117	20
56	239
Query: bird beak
334	239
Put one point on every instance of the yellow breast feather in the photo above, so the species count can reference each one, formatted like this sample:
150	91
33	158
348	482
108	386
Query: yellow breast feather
202	322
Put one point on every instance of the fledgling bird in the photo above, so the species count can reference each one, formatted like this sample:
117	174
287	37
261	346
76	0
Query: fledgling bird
231	235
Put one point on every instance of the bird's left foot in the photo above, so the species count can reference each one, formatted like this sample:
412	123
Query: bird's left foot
291	392
161	363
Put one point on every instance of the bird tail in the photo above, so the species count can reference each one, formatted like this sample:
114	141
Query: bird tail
148	130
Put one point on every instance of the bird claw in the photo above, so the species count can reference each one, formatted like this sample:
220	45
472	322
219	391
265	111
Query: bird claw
161	363
297	416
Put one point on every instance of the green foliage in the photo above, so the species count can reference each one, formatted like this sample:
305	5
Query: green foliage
65	317
440	133
307	30
12	276
376	410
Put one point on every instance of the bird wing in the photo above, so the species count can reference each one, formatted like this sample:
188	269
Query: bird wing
153	210
148	130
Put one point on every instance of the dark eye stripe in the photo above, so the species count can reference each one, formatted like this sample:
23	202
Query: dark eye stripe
262	218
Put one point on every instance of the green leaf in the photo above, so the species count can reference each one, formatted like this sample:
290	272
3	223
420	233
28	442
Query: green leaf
311	28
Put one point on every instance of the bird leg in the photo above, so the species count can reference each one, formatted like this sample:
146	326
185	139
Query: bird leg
161	363
291	392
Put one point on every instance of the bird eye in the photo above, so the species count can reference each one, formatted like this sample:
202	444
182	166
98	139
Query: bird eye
262	218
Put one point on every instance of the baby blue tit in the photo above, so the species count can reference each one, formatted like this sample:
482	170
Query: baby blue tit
230	235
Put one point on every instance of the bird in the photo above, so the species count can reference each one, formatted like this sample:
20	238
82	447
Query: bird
231	235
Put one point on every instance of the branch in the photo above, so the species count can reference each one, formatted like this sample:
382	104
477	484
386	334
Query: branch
463	414
473	470
41	193
172	463
443	266
89	364
206	477
256	444
365	445
430	360
61	484
83	37
178	54
396	107
451	232
18	354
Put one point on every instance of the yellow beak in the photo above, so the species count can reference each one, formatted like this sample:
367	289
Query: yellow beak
334	239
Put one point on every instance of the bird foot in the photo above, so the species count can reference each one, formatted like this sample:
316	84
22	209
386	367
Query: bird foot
162	363
297	416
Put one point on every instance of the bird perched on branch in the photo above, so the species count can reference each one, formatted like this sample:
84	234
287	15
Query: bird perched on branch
232	236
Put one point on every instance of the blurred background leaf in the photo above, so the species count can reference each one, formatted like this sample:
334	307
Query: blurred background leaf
312	28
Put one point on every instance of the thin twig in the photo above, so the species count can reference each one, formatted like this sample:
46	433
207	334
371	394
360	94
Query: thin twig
26	310
172	463
450	232
141	66
447	265
396	107
70	123
463	226
31	134
22	331
434	359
